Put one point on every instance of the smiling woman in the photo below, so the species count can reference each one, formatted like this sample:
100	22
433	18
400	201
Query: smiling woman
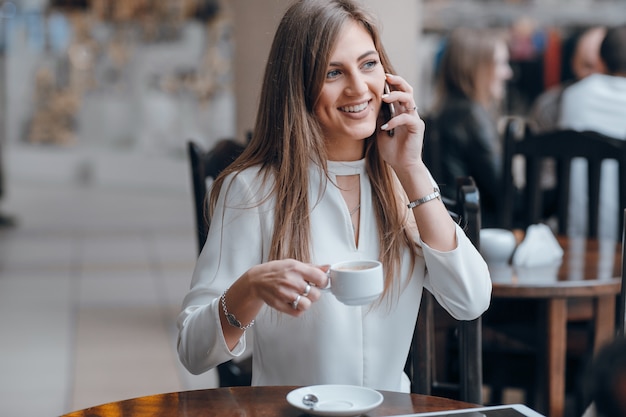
321	182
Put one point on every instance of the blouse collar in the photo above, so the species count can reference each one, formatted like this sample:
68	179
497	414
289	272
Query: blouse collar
347	167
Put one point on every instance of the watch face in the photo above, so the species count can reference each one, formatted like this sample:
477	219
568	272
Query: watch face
232	320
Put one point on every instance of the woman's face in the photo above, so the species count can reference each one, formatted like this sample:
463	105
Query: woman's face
501	71
348	105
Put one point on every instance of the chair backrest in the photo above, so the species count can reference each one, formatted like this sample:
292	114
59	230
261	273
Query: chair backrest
421	363
562	146
431	150
207	165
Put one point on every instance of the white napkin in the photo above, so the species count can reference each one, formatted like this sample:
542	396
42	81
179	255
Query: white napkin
539	248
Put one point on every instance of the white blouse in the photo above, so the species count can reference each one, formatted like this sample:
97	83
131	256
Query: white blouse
331	343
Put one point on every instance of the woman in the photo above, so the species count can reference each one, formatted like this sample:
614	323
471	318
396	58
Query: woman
471	84
320	182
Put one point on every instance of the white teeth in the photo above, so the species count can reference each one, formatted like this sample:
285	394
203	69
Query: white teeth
355	109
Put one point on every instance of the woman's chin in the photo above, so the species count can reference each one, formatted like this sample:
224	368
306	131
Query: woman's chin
365	131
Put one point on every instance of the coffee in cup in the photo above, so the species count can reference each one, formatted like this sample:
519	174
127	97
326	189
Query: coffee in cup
356	282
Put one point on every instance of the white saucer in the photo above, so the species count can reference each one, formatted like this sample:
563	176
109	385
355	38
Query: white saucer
337	400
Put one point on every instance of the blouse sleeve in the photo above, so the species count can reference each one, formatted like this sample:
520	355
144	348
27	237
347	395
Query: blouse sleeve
459	279
233	245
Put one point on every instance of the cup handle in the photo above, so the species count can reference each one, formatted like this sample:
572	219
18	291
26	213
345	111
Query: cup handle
327	287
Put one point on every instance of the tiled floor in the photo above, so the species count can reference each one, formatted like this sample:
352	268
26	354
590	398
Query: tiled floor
91	281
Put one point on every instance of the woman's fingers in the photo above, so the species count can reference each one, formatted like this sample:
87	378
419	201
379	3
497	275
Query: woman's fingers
402	93
404	104
410	120
399	83
290	286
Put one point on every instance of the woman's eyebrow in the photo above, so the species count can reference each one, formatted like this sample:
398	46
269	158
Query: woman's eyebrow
339	64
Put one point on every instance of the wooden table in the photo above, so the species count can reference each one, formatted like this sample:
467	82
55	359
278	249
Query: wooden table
590	271
251	401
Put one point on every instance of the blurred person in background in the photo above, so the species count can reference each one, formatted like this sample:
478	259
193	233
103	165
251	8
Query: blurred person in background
582	54
598	103
584	61
471	85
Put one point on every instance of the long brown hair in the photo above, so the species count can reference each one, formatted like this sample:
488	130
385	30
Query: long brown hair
287	137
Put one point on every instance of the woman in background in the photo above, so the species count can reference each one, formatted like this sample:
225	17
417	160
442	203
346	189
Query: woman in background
471	84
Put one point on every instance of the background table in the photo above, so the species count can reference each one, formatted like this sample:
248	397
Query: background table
583	287
250	401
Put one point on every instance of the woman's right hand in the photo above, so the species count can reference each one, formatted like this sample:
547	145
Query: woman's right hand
279	283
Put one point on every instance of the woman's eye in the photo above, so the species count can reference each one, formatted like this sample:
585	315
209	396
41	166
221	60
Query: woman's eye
333	73
370	64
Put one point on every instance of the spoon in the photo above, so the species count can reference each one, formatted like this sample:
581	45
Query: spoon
310	400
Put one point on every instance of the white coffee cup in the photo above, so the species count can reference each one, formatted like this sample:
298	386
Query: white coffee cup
356	282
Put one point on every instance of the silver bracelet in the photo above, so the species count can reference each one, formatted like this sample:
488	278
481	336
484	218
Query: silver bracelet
425	199
230	317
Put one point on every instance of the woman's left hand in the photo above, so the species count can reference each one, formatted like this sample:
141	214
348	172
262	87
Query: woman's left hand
403	150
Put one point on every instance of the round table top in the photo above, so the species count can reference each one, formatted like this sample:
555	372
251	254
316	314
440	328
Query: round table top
251	401
589	267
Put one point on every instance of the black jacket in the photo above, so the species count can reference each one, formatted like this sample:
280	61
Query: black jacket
470	145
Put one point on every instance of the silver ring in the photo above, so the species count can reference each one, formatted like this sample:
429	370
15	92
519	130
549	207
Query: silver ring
295	302
307	290
414	108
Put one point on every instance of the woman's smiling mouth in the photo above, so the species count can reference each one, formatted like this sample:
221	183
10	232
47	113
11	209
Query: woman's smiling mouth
355	109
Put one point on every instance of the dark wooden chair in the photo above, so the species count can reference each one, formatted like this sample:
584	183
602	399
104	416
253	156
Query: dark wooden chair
421	364
561	146
431	150
205	165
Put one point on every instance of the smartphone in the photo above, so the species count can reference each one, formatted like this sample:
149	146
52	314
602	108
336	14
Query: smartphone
388	109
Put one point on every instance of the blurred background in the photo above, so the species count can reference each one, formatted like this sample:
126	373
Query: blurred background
88	80
97	101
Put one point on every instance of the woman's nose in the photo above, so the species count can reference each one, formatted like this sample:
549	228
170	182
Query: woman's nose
357	85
